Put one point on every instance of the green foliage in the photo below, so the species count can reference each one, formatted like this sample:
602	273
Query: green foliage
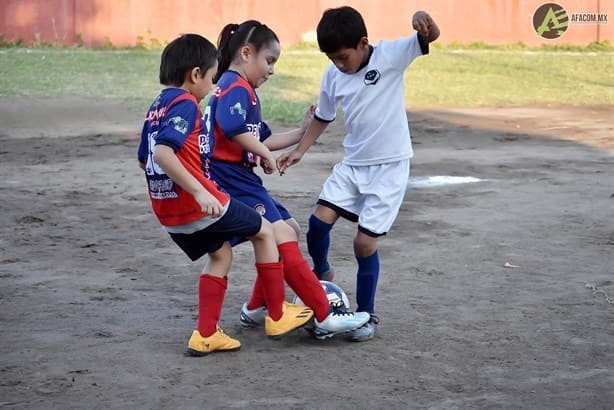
79	40
153	44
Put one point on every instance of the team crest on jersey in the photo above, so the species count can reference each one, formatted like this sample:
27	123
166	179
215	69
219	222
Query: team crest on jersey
260	209
238	109
179	124
372	77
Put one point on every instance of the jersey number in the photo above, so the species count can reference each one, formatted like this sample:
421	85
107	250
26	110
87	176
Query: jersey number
152	168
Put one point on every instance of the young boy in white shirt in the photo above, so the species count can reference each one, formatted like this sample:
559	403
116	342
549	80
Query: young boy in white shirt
369	184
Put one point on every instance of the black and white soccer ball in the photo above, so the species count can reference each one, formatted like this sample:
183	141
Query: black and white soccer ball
336	296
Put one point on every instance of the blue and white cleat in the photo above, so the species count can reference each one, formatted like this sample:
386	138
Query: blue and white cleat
253	318
366	332
339	320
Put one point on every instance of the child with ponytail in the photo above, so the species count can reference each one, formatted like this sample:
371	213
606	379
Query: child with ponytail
238	141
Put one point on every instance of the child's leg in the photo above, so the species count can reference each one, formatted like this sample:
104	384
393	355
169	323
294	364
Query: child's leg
269	268
297	272
365	249
282	317
257	299
294	225
212	289
318	237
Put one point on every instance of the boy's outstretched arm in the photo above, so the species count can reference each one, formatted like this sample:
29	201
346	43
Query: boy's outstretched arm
424	24
166	158
286	139
316	128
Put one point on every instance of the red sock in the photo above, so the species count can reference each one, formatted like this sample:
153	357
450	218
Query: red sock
301	279
271	277
257	299
211	291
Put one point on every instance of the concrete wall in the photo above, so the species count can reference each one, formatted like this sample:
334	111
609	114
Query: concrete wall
122	22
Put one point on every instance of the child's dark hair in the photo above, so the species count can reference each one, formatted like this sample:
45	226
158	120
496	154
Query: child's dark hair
235	36
341	27
182	55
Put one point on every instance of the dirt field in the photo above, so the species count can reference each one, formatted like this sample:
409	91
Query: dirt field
96	303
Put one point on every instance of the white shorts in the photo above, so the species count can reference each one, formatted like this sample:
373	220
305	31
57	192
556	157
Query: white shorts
370	195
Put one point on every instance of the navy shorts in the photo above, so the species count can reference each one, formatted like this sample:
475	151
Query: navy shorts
262	202
274	210
238	221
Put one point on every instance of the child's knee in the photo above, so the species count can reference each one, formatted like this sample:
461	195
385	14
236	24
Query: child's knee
266	232
294	225
220	261
325	214
284	232
364	245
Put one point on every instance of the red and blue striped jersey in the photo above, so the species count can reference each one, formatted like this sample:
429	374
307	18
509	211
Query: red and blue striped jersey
233	109
174	119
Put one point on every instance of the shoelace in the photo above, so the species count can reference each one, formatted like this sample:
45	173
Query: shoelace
339	309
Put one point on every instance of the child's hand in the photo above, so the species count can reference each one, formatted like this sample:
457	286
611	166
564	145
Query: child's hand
208	203
308	118
422	23
288	159
268	164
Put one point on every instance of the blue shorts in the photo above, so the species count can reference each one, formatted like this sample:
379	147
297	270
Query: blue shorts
245	185
238	221
273	211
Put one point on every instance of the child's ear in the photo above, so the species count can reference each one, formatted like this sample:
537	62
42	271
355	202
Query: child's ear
244	52
194	74
363	42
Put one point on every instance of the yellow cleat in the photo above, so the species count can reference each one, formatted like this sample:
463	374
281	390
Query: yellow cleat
217	342
293	317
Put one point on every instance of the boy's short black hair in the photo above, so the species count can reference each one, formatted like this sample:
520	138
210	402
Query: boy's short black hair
182	55
341	27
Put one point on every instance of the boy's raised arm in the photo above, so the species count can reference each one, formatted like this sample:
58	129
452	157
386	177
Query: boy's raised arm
424	24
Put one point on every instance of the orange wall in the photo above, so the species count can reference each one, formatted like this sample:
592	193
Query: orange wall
121	22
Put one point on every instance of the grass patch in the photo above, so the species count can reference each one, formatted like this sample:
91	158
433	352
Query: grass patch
453	75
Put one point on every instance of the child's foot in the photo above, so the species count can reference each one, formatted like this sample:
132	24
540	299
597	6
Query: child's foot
293	317
367	331
253	317
327	275
217	342
339	320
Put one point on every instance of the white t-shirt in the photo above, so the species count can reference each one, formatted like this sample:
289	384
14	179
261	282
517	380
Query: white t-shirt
373	103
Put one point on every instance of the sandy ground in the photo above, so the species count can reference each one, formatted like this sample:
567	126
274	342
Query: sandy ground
96	303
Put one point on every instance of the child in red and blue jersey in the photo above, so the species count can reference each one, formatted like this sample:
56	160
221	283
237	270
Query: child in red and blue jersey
240	141
198	216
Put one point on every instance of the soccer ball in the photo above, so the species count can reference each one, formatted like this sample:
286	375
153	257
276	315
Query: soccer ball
336	296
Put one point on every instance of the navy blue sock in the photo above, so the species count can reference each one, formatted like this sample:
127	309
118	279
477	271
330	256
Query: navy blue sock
366	282
318	241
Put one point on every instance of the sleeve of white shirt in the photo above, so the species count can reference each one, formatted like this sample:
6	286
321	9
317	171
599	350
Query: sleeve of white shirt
326	109
403	51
